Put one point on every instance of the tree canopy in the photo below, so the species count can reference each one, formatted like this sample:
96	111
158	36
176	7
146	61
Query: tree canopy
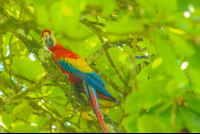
146	51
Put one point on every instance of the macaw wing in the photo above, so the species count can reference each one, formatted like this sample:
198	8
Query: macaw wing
80	69
76	63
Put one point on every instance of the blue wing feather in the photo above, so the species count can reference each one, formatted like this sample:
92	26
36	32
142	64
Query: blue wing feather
91	78
69	68
96	77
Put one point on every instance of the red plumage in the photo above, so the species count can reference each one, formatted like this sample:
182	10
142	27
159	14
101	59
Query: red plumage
72	78
45	31
95	109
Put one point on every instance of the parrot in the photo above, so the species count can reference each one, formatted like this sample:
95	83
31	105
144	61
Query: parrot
79	73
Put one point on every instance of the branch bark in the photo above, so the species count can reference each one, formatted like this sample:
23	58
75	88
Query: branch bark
3	130
22	94
106	45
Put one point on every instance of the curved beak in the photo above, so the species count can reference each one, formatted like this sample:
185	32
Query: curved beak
47	39
46	36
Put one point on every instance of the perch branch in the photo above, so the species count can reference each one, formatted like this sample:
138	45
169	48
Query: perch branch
3	130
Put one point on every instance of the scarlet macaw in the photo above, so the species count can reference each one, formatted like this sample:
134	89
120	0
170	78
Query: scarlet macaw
73	65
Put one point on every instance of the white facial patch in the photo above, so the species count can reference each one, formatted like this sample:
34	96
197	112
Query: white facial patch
53	38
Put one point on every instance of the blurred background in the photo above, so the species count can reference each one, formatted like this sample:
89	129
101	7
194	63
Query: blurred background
147	52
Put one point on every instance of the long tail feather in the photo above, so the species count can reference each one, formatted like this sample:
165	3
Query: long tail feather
92	98
100	95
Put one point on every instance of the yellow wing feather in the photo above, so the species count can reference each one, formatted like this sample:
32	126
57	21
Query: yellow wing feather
79	64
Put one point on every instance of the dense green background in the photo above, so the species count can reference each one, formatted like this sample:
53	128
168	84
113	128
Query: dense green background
118	38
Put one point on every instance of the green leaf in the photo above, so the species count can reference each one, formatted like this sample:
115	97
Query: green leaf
143	75
192	101
194	75
65	16
170	59
41	2
149	124
128	28
168	6
7	119
42	15
191	119
193	59
19	49
22	110
181	46
130	123
27	1
117	115
108	7
38	120
130	103
27	68
26	129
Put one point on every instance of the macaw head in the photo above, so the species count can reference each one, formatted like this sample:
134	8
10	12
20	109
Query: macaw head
48	38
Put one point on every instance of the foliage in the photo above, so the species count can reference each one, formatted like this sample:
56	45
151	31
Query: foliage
147	53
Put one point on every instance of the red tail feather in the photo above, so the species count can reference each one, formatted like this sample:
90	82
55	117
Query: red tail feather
96	110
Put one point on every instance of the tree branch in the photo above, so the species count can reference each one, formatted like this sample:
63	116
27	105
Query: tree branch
132	68
3	130
42	112
107	45
22	94
10	57
1	51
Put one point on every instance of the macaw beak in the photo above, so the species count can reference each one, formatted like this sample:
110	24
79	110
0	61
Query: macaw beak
47	39
47	36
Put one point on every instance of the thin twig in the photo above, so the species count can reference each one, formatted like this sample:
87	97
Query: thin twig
79	120
10	57
97	20
100	38
1	51
123	71
51	84
5	58
20	15
52	110
116	71
22	94
43	112
24	78
132	68
32	81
